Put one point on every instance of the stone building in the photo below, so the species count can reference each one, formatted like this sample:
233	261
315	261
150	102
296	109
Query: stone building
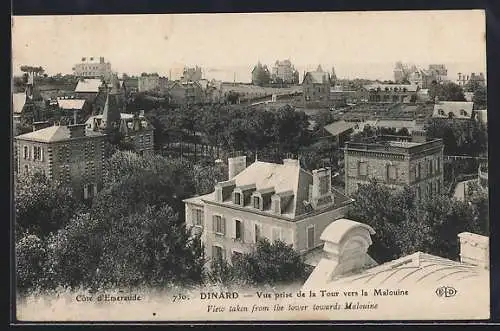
284	72
90	67
396	162
316	86
69	154
186	93
266	200
390	93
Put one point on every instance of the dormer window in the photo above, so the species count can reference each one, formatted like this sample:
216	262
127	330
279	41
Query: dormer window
237	198
256	202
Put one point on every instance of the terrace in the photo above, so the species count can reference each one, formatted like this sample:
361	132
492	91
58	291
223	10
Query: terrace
393	144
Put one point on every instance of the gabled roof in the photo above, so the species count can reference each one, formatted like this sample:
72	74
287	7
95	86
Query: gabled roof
459	109
18	101
339	127
88	85
51	134
71	104
317	76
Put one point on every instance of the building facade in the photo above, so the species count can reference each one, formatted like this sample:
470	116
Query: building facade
265	200
316	86
68	154
478	78
395	162
284	72
91	67
186	93
390	93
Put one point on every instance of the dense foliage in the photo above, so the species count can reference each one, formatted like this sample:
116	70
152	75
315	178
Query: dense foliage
404	225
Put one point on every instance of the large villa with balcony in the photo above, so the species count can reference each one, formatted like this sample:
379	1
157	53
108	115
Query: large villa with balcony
266	200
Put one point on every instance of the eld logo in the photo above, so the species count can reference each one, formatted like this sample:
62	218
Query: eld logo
446	291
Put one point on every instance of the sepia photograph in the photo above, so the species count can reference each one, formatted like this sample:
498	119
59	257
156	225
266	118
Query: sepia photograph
312	166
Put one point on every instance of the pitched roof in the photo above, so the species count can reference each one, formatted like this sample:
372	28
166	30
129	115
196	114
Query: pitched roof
417	268
18	101
317	76
460	109
339	127
71	103
284	178
52	134
88	85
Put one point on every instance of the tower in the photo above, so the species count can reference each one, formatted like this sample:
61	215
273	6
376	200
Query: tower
111	112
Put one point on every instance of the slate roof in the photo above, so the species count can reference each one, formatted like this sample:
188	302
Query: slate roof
52	134
88	85
287	179
18	101
71	103
455	107
339	127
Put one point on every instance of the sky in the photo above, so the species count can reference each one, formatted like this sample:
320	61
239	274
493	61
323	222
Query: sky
227	46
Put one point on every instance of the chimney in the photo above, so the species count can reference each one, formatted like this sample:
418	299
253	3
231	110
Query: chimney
321	193
474	249
236	165
40	125
76	130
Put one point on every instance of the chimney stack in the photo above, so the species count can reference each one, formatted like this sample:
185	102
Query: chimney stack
236	165
321	187
474	249
40	125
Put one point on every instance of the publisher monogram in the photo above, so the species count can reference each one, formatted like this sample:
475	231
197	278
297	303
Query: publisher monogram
446	291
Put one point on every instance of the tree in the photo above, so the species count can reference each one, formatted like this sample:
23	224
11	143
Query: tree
150	248
404	226
480	98
31	260
38	71
446	92
270	263
75	253
205	177
42	205
134	182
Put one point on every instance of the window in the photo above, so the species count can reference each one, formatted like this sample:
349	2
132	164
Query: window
37	153
418	193
237	198
197	216
256	202
238	230
257	232
26	152
26	169
418	170
430	167
323	185
219	224
89	191
391	172
310	237
218	253
362	169
441	112
438	166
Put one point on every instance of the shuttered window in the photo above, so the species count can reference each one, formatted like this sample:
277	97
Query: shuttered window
219	224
